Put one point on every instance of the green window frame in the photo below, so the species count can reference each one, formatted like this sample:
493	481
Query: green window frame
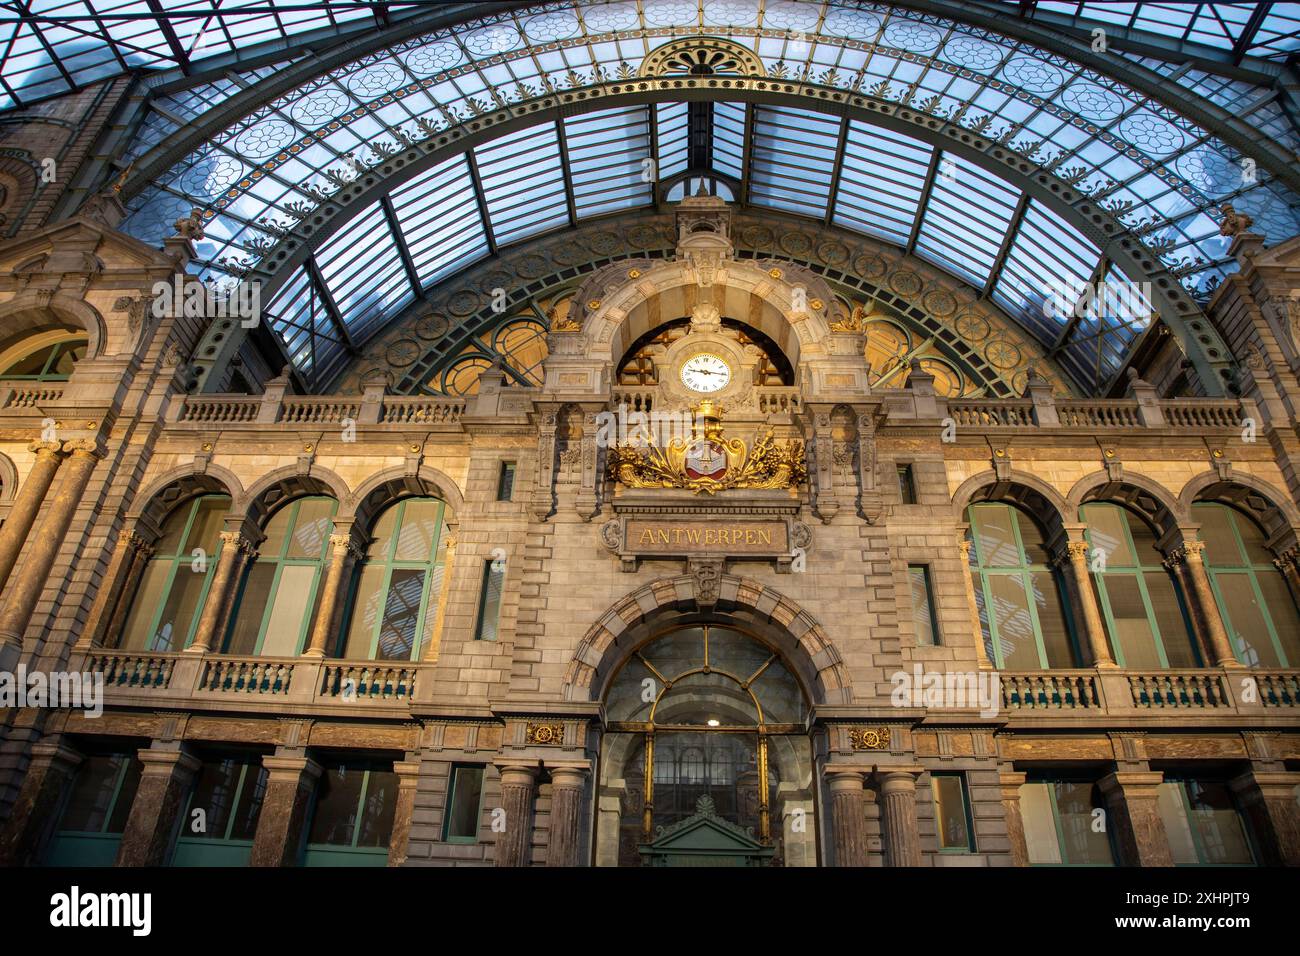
942	787
1174	635
377	791
377	618
224	848
74	348
1280	616
280	558
110	798
924	619
144	623
1198	832
489	602
1045	794
990	571
463	777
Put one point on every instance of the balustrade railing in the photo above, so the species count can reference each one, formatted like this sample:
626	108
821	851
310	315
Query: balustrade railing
1180	690
1050	690
1098	413
125	669
422	411
246	675
373	681
220	410
20	394
998	414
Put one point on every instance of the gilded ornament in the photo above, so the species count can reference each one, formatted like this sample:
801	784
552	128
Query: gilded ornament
868	738
544	733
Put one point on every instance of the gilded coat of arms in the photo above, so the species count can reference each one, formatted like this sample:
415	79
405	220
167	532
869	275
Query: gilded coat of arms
707	462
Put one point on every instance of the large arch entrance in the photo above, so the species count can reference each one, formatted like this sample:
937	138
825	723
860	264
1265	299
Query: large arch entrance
706	758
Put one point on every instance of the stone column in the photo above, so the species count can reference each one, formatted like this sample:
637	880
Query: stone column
291	781
237	548
848	816
1085	600
27	504
342	552
30	581
152	822
567	786
408	781
1268	797
981	653
113	599
1178	568
1011	782
518	786
898	815
1133	813
32	817
1201	596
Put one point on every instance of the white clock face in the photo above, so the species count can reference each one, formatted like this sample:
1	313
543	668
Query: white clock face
705	373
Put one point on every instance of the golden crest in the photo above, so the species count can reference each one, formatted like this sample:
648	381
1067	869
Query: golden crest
708	462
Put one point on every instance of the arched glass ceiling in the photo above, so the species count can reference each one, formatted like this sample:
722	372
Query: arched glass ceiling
1161	172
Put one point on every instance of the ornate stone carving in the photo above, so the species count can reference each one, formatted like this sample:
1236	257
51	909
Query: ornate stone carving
869	738
547	734
707	573
611	534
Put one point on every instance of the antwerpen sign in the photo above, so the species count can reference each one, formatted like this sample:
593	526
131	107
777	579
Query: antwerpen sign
716	536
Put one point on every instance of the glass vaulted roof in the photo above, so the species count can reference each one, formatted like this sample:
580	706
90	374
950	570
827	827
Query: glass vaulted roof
1161	173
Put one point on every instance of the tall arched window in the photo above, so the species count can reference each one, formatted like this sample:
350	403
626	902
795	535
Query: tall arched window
1258	609
1017	592
277	604
45	357
1145	618
397	585
167	604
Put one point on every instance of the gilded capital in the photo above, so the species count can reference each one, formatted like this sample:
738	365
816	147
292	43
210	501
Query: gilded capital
45	449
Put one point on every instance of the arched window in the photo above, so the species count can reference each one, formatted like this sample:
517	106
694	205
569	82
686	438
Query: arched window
397	585
169	599
1145	618
277	603
45	357
1017	592
1258	609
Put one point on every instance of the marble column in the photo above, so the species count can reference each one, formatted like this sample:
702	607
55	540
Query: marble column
1268	797
1205	608
1085	602
408	781
898	816
1134	816
518	787
27	504
152	822
567	786
30	580
113	598
848	816
343	551
1178	568
237	548
981	652
31	820
1010	782
291	781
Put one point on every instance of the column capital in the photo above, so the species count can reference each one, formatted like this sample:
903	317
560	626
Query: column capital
85	448
1130	780
238	542
163	762
286	768
517	771
46	450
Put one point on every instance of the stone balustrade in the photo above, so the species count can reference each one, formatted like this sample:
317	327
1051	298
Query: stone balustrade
22	395
299	410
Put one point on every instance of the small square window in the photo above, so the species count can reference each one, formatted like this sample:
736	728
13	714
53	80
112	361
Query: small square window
952	818
464	801
923	617
906	484
506	481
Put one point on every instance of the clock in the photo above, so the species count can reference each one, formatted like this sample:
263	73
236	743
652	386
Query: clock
705	373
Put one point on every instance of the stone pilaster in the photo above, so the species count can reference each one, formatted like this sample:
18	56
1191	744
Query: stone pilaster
567	786
237	548
1134	815
898	816
32	818
408	780
1205	608
343	552
1268	797
27	505
1085	601
848	816
291	780
30	581
518	787
1010	783
152	821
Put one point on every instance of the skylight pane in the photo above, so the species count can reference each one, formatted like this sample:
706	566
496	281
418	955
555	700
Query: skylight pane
523	184
609	154
793	159
729	138
363	271
881	182
671	134
440	220
293	314
1046	272
966	218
